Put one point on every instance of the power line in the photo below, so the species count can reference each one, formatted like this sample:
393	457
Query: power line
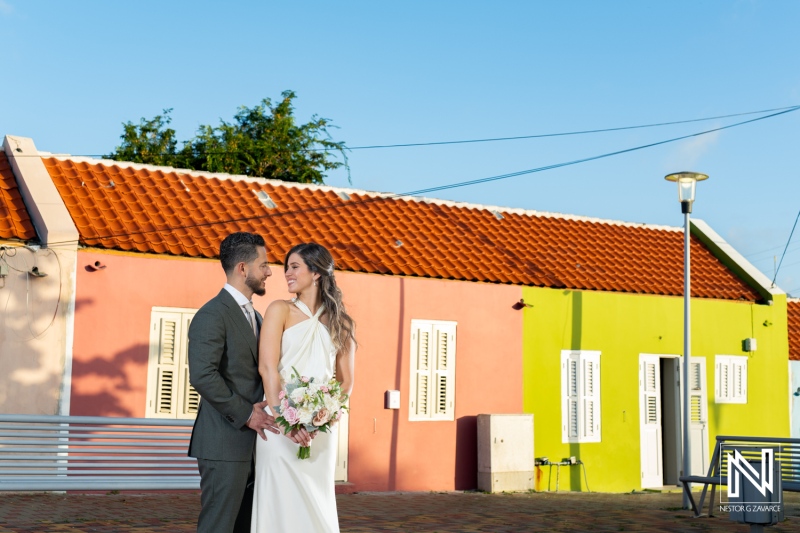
491	139
567	133
784	250
442	187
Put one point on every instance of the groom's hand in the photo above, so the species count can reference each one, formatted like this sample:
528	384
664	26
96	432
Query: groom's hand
260	420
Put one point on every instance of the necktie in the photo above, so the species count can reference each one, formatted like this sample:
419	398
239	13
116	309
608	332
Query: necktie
251	317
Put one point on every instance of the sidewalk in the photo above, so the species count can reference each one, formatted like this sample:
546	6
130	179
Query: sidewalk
386	512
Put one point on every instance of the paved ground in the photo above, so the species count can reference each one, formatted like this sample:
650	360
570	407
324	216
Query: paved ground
385	512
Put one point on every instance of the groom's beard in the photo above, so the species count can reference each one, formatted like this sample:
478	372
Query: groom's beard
255	285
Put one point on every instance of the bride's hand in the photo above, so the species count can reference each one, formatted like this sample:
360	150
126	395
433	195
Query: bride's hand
301	436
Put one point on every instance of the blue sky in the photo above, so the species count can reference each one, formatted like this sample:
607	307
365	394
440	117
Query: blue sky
406	72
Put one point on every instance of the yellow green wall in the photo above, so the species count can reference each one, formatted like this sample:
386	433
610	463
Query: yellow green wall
622	326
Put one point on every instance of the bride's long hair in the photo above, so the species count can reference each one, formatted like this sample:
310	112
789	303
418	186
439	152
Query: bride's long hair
318	259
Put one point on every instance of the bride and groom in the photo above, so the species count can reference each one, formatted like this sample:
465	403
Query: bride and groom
250	477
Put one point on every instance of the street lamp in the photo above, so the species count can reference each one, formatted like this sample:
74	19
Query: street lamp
686	188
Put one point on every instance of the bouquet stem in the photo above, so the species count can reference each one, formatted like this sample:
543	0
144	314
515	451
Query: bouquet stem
304	452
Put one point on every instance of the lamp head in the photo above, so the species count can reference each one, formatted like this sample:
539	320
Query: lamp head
686	187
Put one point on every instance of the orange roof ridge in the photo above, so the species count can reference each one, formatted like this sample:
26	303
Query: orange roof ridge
363	192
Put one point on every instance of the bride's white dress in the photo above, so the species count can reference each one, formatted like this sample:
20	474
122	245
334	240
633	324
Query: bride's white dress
291	494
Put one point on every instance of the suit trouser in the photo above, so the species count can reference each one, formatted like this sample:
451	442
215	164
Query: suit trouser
226	496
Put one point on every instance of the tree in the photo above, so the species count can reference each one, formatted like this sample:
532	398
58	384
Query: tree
151	141
262	141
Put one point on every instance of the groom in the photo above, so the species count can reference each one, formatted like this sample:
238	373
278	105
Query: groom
223	368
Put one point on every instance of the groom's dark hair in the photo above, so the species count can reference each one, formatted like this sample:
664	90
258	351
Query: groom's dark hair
239	247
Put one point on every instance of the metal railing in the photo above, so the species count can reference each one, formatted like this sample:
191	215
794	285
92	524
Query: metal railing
55	453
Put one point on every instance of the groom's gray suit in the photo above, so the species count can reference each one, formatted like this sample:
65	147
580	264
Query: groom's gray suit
223	368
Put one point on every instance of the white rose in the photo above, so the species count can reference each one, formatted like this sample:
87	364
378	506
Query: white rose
298	394
306	415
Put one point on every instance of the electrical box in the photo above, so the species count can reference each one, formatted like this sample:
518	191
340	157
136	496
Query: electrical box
3	270
750	345
505	453
391	399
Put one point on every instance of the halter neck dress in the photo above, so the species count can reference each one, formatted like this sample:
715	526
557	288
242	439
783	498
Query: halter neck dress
291	494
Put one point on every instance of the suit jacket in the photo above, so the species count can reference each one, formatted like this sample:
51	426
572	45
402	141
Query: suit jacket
223	368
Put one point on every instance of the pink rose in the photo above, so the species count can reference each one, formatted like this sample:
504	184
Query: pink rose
281	394
322	416
284	404
291	415
304	379
323	388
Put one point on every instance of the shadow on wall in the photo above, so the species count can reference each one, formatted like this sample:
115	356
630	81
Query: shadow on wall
466	453
102	386
32	339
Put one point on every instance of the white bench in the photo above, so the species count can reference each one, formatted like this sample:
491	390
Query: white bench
59	453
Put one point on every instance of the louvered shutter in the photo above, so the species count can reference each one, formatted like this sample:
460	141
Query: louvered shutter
650	391
722	386
739	379
569	388
731	379
580	396
165	340
697	406
420	390
590	399
433	359
169	393
444	336
190	397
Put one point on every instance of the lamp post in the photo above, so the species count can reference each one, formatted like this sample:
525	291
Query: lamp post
686	188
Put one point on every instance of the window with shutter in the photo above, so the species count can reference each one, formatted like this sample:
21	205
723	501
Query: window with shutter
169	393
731	379
580	387
432	384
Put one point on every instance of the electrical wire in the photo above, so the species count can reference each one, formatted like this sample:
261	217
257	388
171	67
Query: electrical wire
436	188
784	250
566	133
484	140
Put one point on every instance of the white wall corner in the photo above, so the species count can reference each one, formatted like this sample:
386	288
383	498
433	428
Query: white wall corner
734	260
45	206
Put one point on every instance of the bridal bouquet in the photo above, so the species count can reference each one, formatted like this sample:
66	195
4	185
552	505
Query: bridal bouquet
312	405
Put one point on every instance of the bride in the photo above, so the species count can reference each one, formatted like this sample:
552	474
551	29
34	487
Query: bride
313	333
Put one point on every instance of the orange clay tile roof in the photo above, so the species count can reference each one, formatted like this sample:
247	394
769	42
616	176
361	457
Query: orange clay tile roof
167	211
793	320
14	220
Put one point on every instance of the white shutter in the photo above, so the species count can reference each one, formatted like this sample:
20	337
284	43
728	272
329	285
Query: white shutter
432	384
697	404
164	368
169	393
739	381
420	390
444	336
731	379
698	415
570	375
591	396
190	399
580	396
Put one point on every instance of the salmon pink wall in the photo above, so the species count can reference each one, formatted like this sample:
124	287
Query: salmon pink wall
387	452
112	324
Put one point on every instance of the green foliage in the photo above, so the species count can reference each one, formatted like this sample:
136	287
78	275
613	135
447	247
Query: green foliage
263	141
150	141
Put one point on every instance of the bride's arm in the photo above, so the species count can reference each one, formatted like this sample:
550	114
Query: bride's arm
269	354
345	366
269	350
